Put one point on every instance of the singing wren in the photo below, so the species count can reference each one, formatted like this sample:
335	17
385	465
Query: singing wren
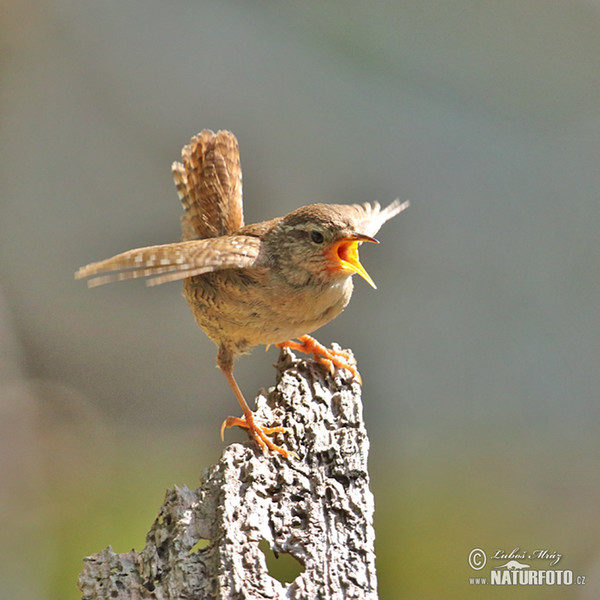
265	283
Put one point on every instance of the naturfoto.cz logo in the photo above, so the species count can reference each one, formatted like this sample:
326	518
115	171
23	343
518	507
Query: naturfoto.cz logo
518	567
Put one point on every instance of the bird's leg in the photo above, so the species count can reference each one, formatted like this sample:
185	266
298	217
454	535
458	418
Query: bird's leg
258	433
326	356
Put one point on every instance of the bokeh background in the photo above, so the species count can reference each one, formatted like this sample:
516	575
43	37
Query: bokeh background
479	351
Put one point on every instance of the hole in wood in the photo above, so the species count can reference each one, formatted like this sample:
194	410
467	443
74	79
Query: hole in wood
281	565
199	545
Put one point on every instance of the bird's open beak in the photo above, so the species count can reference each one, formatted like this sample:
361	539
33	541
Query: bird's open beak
345	252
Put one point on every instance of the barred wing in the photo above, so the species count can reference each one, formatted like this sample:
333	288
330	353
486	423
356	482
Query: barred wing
170	262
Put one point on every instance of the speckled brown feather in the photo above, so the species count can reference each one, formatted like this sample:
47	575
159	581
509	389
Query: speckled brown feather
209	185
170	262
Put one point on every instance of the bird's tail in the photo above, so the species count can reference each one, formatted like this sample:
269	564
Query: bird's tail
209	184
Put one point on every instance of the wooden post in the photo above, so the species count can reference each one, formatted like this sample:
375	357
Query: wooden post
318	508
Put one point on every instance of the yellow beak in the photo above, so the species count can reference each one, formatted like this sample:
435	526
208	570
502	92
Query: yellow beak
346	253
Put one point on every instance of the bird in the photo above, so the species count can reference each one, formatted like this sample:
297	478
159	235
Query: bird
272	282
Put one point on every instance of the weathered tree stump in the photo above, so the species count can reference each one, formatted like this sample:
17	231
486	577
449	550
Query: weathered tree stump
317	507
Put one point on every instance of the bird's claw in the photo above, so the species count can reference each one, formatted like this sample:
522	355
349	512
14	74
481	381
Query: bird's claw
258	433
328	357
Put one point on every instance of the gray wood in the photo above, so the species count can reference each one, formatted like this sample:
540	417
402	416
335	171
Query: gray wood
317	507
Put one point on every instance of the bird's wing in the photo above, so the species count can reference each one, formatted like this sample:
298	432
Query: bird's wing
368	218
170	262
209	184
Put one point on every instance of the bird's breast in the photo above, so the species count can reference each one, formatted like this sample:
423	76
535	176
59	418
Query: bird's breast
244	311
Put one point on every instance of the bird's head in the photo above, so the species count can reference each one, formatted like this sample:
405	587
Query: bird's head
317	243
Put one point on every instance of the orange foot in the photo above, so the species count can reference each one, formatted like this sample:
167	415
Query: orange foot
257	433
326	356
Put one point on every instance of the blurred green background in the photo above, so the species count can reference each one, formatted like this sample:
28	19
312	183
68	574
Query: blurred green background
479	351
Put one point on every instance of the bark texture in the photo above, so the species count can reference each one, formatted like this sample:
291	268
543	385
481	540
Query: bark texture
318	508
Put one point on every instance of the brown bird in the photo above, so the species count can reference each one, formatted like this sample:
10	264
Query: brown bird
265	283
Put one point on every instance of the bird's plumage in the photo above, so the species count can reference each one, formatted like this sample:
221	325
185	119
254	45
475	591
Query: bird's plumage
209	185
263	283
171	262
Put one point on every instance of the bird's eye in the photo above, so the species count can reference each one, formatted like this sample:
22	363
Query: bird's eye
316	237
